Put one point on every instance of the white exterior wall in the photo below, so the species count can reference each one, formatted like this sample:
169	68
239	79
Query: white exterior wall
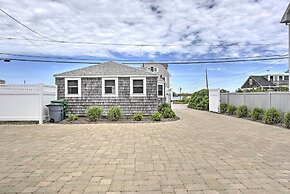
25	102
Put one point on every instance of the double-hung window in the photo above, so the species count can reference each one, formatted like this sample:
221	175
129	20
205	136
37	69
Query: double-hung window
160	90
72	87
138	86
110	87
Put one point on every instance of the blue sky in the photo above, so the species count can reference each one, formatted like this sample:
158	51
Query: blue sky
175	30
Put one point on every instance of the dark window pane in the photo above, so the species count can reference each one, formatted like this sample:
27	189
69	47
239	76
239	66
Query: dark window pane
109	82
108	90
138	83
72	83
160	90
73	90
138	90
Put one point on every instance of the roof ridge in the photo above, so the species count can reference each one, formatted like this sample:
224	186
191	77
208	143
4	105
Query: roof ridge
107	68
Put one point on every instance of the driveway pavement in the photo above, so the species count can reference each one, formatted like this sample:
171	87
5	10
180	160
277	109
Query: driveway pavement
201	153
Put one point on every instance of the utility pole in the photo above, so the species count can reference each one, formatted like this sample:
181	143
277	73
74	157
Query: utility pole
206	79
286	20
180	93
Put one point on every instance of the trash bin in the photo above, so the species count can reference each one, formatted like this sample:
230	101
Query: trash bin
55	112
64	105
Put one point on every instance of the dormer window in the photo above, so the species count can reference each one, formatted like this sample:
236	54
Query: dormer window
153	69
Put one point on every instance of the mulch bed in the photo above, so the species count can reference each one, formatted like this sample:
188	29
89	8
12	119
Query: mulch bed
146	119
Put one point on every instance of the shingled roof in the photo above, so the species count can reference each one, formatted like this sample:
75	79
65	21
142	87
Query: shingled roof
106	69
261	80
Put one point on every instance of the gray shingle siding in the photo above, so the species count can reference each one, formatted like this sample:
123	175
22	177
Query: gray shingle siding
92	96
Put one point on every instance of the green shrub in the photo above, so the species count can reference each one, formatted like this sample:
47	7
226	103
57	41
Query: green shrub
156	116
72	117
162	107
231	110
114	113
257	114
272	116
242	111
94	113
199	100
223	107
168	113
286	120
138	117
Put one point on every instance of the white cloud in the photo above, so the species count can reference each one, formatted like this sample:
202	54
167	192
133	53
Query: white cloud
199	23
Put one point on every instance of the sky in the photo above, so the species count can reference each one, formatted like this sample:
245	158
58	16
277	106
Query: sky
145	30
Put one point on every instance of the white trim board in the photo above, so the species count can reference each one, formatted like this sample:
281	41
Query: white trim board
116	87
144	87
106	76
79	87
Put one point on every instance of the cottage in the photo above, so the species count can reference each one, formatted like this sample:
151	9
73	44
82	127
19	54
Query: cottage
270	81
109	84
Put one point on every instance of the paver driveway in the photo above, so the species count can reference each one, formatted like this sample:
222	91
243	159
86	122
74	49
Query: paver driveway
201	153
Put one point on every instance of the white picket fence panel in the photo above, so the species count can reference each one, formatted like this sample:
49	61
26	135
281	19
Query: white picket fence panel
25	102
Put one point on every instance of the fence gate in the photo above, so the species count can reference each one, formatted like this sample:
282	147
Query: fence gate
214	100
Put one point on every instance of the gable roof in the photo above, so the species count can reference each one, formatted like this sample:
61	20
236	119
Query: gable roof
106	69
261	80
286	16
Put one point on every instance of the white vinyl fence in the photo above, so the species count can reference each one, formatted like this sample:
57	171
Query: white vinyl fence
25	102
265	100
214	100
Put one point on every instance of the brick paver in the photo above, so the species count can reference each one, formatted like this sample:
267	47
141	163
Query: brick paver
201	153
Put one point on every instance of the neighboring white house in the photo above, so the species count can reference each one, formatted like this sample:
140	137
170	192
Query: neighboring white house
164	87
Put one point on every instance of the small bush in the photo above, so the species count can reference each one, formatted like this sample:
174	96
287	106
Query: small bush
242	111
257	114
72	117
286	120
138	117
114	113
162	107
94	113
223	107
272	116
168	113
156	116
231	110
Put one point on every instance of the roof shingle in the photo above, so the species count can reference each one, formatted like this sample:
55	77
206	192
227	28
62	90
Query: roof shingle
106	69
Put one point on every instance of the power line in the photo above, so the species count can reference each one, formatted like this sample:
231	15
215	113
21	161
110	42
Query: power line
169	62
137	60
144	44
35	32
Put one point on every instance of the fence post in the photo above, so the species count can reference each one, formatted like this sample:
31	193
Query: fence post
40	100
269	99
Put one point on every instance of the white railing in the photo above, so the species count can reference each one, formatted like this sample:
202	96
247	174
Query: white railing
25	102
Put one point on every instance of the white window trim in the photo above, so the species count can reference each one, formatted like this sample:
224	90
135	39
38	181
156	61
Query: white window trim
79	87
116	87
163	90
144	87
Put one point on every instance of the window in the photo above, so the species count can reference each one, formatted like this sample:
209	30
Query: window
138	86
110	87
251	82
72	87
160	90
280	78
153	69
